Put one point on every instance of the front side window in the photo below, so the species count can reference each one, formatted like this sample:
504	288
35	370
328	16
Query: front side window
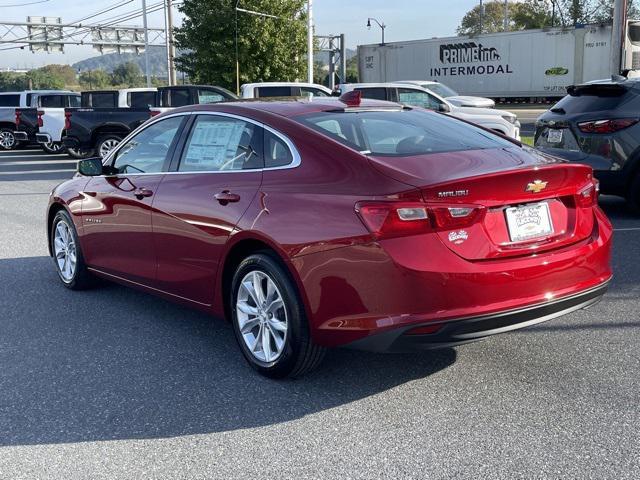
417	98
401	133
147	151
440	89
209	96
218	143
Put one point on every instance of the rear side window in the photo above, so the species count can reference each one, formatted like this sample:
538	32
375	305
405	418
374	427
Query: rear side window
52	101
274	92
104	100
141	99
276	152
374	93
179	98
9	100
401	133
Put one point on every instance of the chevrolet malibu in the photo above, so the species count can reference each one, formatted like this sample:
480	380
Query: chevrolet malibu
335	222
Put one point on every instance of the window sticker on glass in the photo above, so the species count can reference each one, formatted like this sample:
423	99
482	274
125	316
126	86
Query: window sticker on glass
213	145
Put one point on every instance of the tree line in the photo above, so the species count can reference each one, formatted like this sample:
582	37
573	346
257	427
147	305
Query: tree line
59	77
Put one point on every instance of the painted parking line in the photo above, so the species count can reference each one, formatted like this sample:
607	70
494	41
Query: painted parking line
38	162
44	155
629	229
29	172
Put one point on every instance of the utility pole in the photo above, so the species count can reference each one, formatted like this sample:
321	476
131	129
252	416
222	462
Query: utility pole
146	43
618	36
310	41
506	15
481	17
171	47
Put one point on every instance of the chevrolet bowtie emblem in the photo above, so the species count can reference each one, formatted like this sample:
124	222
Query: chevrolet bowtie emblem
536	186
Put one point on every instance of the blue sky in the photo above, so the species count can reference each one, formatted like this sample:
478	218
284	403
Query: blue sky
405	19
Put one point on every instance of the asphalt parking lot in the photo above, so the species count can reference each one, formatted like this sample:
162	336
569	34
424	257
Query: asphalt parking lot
113	383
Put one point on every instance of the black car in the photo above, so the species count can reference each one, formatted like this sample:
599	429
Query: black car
598	124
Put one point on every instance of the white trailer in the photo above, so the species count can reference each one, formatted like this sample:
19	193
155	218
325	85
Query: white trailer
521	64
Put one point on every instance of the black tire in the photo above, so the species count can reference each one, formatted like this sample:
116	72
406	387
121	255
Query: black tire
79	154
81	278
633	196
104	141
53	147
8	139
299	355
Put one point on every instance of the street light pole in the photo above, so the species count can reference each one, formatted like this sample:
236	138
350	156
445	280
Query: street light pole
146	43
481	17
506	15
381	25
310	41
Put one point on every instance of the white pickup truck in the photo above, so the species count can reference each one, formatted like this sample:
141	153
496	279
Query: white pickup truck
9	102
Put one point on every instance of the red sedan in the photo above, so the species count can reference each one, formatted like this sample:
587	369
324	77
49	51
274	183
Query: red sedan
324	223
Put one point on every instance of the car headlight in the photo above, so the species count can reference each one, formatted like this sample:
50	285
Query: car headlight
510	118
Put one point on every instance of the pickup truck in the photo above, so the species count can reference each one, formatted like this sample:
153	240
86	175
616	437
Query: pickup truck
9	101
30	122
100	129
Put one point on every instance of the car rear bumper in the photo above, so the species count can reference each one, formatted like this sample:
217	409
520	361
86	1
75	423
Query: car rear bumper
465	330
43	138
21	136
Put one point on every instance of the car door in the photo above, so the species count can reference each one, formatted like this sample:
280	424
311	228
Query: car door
116	209
199	204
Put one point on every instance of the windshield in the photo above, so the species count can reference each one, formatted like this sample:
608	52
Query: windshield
401	133
440	89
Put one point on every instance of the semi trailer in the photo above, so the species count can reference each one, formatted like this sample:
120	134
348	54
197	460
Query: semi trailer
531	65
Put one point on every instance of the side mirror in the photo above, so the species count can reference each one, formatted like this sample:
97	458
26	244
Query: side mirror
444	108
90	167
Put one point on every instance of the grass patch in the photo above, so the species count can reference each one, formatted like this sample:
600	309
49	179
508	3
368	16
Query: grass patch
527	141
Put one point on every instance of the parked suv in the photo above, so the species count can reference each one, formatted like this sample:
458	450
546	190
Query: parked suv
451	95
503	122
598	124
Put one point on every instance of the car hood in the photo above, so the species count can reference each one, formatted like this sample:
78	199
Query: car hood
473	102
436	168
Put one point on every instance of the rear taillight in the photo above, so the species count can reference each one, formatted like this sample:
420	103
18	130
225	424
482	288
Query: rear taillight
588	196
399	219
67	120
18	117
607	126
40	122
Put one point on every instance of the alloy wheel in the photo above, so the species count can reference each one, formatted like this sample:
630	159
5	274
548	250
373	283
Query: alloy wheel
107	146
54	147
262	316
64	247
7	140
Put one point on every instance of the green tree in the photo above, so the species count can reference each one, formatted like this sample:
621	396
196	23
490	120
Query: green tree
66	72
40	78
11	81
352	70
269	49
95	79
127	74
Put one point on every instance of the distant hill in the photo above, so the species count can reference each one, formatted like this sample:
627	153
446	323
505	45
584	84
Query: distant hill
157	60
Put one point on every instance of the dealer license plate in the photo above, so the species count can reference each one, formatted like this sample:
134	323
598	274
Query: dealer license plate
554	136
529	222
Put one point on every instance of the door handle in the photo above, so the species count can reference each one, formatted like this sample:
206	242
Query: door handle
226	196
141	193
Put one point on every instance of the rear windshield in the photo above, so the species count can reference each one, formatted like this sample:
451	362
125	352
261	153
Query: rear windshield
52	101
142	99
594	98
9	100
104	100
401	133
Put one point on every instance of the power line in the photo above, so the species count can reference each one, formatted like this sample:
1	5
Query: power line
24	4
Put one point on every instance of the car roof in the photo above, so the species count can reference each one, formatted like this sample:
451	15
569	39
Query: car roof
292	107
284	84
